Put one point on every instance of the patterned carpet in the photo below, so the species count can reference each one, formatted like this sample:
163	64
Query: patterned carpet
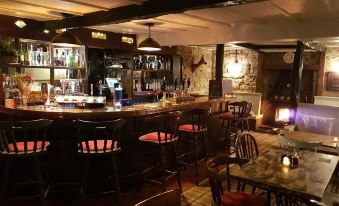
201	195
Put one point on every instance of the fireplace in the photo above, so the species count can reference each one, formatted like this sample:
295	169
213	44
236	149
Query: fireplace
282	115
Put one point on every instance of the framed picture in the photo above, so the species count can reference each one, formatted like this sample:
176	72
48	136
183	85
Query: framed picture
332	81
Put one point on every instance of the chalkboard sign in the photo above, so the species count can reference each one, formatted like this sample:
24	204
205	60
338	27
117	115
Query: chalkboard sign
215	88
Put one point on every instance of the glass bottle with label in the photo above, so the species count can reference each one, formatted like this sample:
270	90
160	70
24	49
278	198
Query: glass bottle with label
26	56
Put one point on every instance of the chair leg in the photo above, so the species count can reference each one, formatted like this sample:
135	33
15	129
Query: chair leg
163	166
176	167
220	133
115	178
40	180
205	146
85	167
196	159
7	168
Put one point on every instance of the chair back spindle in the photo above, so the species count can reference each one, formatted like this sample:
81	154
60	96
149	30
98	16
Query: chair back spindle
246	146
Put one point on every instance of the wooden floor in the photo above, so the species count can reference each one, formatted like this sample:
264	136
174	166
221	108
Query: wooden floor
264	141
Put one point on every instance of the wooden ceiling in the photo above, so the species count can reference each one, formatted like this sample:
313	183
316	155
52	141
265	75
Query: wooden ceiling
52	9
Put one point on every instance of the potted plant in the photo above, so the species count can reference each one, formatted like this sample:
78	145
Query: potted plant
7	52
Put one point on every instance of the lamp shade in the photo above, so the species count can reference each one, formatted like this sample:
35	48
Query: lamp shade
66	39
149	45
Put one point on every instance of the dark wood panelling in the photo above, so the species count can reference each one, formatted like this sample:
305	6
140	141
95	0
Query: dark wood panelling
34	30
275	61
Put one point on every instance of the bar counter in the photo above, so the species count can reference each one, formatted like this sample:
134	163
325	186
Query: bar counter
62	153
58	113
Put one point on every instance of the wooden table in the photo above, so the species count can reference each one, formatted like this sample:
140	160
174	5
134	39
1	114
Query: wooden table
327	141
308	181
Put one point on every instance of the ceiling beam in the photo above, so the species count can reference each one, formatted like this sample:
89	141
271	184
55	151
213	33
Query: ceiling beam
45	7
148	9
86	4
283	11
136	1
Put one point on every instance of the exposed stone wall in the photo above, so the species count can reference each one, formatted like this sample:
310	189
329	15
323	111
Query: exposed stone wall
246	80
331	64
202	74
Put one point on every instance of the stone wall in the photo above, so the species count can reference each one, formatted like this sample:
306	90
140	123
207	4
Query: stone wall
201	75
245	80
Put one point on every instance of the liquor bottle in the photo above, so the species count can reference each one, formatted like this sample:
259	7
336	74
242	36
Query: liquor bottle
6	89
67	59
71	60
31	56
175	83
163	85
47	57
26	56
38	56
63	59
43	56
21	55
77	59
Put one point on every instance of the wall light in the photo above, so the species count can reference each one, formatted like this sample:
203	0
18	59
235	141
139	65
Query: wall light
127	40
334	66
235	68
98	35
46	31
19	23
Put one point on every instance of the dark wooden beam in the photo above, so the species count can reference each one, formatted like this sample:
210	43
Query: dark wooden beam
148	9
219	62
297	71
249	46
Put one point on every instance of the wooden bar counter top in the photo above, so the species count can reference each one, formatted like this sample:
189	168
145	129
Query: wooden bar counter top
108	112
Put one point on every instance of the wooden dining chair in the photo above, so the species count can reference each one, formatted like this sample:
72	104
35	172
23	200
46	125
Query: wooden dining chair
168	198
24	140
246	146
98	140
216	178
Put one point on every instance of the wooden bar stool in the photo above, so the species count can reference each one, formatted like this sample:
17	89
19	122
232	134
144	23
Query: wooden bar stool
235	120
193	133
97	140
161	133
24	140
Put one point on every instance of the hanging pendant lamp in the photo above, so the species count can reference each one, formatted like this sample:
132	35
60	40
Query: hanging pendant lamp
149	44
66	39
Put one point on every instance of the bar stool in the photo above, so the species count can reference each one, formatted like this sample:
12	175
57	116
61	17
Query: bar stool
24	140
161	133
235	120
97	140
193	132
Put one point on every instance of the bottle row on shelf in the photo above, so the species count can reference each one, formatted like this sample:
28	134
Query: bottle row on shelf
153	62
41	55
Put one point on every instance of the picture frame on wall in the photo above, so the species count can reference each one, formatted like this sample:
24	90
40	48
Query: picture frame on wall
332	81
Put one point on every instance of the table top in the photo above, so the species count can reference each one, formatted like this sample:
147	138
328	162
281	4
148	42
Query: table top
312	137
308	181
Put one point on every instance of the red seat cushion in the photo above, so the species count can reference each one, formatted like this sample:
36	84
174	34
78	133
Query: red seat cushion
153	137
100	146
189	128
30	147
242	199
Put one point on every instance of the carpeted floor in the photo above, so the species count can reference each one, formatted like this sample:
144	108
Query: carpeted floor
201	195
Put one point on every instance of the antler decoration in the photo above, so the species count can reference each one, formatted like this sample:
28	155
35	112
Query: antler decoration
194	66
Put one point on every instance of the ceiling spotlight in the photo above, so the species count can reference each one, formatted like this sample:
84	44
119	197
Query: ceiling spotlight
149	44
19	23
46	31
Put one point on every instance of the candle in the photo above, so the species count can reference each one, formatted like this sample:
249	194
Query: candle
286	161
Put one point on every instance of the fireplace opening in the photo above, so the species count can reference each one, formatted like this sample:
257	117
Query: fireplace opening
282	115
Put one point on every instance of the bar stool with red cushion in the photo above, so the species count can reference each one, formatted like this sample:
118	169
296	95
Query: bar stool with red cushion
193	134
24	140
237	198
161	133
98	140
234	118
